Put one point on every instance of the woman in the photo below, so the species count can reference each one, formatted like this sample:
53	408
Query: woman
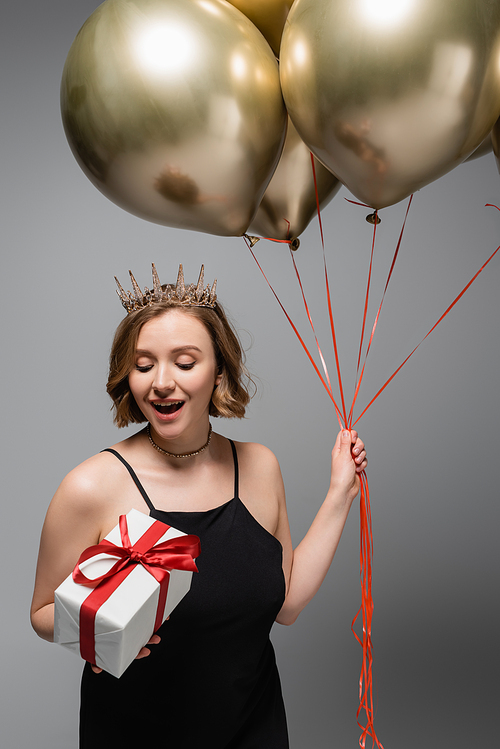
211	679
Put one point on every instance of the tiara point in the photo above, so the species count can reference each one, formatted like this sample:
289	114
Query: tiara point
120	290
124	296
201	281
180	288
157	290
137	289
213	295
178	294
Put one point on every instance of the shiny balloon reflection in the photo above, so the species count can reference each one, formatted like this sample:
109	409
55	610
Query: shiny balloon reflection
390	107
165	49
385	13
173	109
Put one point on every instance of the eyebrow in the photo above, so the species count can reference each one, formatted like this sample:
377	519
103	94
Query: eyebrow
188	347
177	350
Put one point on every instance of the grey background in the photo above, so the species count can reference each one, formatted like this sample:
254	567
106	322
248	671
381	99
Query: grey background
432	436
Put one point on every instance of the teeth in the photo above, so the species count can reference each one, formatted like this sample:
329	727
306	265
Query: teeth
170	403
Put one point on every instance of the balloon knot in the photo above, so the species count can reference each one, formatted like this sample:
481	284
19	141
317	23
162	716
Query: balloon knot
252	240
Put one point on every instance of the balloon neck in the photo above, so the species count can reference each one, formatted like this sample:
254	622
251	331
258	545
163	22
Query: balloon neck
252	240
373	218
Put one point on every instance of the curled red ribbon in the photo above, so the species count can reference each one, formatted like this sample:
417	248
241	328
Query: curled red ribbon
176	553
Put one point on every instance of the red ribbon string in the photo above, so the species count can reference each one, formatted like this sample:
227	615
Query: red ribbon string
366	536
366	609
367	296
430	331
328	297
279	241
308	354
318	210
175	553
306	306
396	253
363	205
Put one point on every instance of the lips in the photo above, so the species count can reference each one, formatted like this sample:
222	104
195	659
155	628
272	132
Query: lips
167	408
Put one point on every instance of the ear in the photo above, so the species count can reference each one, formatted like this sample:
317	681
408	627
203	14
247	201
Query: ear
218	379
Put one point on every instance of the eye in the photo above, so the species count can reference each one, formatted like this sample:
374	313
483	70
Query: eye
184	365
144	367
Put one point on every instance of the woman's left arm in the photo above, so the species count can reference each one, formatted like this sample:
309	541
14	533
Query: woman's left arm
307	565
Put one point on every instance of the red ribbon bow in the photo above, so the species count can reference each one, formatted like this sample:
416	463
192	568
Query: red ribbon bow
176	553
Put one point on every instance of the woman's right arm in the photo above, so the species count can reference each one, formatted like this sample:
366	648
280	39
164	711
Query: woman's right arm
73	523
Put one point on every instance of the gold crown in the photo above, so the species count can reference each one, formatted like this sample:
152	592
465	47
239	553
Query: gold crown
180	294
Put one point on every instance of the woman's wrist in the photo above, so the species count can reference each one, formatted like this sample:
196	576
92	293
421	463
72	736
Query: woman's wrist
338	501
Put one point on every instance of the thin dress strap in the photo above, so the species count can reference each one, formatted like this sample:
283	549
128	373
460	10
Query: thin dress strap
134	476
142	489
236	470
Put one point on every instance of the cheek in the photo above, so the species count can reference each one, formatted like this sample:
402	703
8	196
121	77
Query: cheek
135	383
204	383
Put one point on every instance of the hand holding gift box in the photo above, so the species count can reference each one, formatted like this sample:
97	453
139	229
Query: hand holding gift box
123	589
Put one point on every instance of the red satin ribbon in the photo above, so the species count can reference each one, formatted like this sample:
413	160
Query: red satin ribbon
175	553
366	610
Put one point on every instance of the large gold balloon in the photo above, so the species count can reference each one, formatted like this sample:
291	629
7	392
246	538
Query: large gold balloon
483	148
289	202
391	95
495	140
268	15
173	110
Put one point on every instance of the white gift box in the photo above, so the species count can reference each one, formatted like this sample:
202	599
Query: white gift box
125	621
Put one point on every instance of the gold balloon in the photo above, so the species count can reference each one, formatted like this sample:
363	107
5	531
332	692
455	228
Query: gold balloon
173	109
495	141
485	147
268	15
390	95
289	202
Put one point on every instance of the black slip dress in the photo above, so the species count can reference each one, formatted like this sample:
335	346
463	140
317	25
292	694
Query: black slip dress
212	682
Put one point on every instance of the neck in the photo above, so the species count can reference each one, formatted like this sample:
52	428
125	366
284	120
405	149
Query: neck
173	452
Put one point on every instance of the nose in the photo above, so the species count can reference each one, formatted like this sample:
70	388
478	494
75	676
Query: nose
163	381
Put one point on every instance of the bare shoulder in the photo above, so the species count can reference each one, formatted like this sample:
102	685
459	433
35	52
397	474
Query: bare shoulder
258	460
261	485
253	452
89	484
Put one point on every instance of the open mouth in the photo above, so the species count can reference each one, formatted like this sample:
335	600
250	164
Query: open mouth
168	408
